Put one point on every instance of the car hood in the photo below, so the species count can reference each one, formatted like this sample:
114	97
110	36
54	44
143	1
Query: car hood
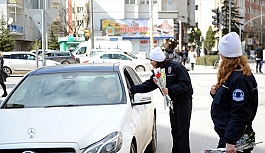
82	125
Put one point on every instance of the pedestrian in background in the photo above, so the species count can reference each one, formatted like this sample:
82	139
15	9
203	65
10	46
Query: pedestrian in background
177	54
192	57
259	58
235	96
184	55
198	51
179	88
3	75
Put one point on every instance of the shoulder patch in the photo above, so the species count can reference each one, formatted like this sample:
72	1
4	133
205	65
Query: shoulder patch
169	69
238	95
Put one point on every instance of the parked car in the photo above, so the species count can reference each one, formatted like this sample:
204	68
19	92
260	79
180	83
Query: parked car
56	109
140	65
22	62
40	51
92	52
63	57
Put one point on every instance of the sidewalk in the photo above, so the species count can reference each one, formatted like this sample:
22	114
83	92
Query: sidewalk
202	69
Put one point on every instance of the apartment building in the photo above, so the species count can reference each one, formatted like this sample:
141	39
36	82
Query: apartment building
130	19
20	21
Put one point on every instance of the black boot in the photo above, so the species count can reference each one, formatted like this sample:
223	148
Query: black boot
5	94
260	71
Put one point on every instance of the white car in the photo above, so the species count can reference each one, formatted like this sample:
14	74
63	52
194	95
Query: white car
57	109
139	65
22	62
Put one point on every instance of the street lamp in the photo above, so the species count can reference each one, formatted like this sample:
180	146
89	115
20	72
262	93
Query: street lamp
261	23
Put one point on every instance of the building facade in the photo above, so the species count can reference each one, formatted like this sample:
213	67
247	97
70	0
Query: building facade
130	19
21	22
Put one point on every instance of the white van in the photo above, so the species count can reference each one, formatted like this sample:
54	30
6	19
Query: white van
83	49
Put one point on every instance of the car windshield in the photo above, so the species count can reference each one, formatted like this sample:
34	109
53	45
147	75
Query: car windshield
67	89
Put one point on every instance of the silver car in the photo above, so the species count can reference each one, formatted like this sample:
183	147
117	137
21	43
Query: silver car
22	62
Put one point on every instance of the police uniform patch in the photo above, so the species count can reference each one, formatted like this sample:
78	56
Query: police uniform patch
169	69
238	95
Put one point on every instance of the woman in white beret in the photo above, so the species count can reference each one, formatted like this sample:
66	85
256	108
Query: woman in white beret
235	96
179	89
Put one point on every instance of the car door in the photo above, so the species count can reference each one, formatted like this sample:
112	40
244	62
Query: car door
23	62
108	58
124	59
145	112
30	61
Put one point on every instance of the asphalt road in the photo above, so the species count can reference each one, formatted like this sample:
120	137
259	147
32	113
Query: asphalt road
202	135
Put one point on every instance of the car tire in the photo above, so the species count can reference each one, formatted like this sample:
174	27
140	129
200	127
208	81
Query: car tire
151	148
7	70
140	68
65	62
133	148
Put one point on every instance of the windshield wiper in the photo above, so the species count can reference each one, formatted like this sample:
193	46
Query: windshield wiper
71	105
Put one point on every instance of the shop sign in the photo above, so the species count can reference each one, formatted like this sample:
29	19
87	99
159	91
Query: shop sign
137	28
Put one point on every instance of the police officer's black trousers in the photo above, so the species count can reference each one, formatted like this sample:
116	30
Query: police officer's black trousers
180	126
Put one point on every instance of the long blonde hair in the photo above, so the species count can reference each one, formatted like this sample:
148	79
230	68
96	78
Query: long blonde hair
228	65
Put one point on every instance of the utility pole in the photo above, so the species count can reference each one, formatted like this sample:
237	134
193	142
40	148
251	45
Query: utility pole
229	16
261	23
92	23
151	24
220	19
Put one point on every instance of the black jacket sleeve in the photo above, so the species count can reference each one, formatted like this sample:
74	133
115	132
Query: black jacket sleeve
147	86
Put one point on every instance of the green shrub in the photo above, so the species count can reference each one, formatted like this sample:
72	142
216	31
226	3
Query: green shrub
207	60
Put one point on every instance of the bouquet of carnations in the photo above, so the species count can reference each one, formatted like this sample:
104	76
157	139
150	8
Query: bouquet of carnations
160	80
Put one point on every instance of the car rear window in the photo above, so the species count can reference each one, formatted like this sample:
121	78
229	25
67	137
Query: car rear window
67	89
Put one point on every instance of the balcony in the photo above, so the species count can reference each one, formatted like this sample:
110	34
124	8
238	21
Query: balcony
15	3
15	30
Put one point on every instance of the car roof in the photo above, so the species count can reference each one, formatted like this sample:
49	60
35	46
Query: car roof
101	67
107	49
58	52
17	52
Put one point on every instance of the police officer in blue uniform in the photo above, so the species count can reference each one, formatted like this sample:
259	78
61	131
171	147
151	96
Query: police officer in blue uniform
179	88
235	96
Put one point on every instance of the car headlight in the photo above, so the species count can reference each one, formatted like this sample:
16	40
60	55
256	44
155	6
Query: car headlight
111	143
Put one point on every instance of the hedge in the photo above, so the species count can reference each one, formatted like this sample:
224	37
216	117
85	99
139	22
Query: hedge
207	60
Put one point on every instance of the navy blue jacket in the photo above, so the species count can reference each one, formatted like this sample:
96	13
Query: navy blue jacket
234	106
178	83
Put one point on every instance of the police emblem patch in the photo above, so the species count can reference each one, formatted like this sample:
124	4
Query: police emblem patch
238	95
169	69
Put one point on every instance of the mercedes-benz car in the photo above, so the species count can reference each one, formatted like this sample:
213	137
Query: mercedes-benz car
68	109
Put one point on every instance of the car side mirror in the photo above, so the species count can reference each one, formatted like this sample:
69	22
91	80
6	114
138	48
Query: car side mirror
141	99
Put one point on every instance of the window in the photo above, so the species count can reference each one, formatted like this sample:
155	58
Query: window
196	7
129	1
147	1
79	9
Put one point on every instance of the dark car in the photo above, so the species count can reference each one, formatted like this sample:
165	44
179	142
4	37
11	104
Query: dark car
69	108
63	57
